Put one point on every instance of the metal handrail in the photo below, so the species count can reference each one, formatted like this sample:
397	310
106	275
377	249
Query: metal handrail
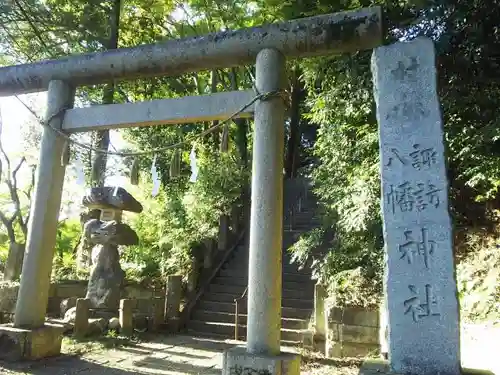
236	312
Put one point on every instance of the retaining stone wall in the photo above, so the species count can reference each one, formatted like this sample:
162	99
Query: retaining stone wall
76	289
352	332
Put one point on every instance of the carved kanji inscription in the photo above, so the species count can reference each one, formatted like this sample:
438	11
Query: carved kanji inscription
417	244
420	308
410	197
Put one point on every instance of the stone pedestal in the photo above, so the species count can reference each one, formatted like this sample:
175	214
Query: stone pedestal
381	367
31	344
238	361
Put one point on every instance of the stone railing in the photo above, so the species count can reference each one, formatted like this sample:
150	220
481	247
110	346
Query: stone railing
63	295
138	312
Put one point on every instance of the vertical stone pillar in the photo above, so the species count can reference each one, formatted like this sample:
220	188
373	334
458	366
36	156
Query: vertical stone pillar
266	217
157	313
319	311
421	290
173	301
42	228
126	316
82	317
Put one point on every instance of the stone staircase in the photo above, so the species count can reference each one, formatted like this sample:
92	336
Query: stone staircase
214	313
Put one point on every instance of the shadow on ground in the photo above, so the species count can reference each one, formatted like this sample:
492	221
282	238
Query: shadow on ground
147	355
63	365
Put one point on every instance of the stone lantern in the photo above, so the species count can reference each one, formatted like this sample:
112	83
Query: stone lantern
106	234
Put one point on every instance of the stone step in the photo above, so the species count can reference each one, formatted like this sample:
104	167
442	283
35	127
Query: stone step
227	329
213	316
238	290
286	276
242	260
302	224
243	281
285	302
287	268
286	312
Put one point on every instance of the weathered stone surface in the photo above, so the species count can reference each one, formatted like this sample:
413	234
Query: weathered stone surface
44	342
353	316
109	215
70	288
67	304
359	334
84	250
8	296
237	360
172	300
127	316
17	343
97	326
81	317
111	233
12	343
106	279
157	313
382	367
420	283
111	197
114	324
70	315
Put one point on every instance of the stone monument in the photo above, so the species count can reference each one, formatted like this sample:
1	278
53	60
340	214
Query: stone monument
420	286
106	234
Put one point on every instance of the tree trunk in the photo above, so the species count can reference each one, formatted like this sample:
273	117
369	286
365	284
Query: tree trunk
242	144
102	137
14	262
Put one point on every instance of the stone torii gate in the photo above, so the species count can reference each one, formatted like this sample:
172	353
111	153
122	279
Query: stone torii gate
268	46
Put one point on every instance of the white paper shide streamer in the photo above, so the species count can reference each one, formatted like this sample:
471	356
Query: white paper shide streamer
194	166
156	178
80	174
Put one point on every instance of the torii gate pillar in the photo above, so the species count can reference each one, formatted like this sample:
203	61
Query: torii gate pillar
262	351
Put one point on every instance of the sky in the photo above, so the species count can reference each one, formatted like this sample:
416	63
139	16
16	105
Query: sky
15	117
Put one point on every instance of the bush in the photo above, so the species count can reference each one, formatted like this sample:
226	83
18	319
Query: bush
478	276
